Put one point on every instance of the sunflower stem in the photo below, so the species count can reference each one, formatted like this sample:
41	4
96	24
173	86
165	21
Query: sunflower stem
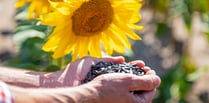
59	62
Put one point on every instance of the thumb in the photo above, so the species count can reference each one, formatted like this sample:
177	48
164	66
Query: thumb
145	82
130	81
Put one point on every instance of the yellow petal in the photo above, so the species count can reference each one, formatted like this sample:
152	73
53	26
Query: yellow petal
106	43
126	29
94	46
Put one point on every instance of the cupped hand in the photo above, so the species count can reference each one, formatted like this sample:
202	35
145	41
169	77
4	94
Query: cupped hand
75	72
112	87
117	87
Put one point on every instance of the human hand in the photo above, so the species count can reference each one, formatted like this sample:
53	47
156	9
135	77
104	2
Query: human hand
107	88
117	87
112	87
75	72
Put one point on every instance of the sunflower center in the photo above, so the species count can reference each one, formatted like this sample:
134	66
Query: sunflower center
92	17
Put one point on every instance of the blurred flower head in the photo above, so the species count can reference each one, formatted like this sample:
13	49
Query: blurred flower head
36	7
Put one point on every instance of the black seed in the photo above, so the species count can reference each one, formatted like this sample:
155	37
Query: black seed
103	68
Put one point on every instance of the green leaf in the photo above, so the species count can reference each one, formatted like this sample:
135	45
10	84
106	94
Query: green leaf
30	55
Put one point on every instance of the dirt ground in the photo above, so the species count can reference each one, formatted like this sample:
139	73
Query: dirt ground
150	47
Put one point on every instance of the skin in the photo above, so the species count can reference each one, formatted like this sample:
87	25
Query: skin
77	71
107	88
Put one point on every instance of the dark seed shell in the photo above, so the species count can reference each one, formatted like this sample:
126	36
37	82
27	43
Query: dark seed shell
103	68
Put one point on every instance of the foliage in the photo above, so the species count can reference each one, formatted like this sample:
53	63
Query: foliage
177	82
29	37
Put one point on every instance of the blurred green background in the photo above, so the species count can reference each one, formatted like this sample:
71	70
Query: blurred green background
175	44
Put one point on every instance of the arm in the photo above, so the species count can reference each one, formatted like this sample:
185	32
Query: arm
70	76
20	77
108	88
40	95
27	78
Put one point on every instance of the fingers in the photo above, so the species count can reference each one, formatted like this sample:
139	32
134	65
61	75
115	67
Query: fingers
131	82
141	64
138	63
149	71
146	82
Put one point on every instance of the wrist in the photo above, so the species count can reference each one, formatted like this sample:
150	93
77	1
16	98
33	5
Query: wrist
59	95
86	93
79	94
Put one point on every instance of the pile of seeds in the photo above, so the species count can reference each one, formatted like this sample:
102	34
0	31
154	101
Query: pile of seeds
103	68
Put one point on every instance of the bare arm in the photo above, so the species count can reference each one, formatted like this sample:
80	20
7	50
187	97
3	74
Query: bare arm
20	77
31	95
27	78
108	88
70	76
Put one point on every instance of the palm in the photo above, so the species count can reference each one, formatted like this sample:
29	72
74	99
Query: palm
76	71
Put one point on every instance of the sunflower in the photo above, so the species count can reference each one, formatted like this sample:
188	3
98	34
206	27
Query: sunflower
85	27
36	8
